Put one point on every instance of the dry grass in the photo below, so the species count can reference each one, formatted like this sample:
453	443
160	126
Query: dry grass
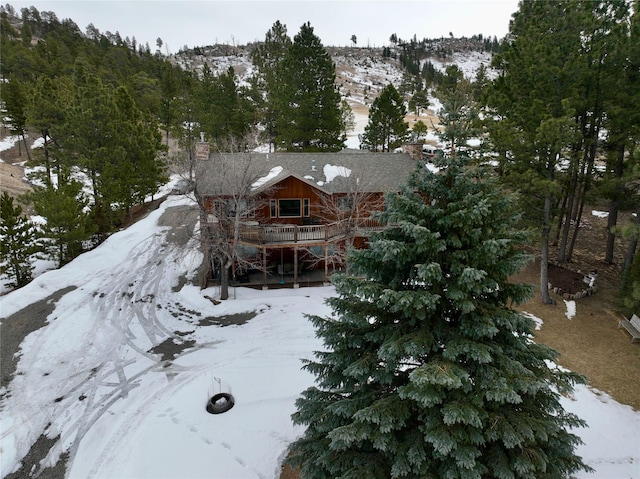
590	343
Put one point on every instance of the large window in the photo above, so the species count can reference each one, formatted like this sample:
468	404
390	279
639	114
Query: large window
289	208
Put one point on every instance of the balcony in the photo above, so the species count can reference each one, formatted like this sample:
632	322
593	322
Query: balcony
256	234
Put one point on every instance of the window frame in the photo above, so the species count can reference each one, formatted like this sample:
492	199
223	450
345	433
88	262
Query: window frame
299	209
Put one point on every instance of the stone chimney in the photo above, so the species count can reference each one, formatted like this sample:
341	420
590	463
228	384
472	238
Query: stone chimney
202	149
414	150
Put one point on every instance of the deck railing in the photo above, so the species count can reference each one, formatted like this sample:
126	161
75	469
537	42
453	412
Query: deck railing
282	234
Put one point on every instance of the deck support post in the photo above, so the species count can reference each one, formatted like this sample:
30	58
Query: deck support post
326	262
264	268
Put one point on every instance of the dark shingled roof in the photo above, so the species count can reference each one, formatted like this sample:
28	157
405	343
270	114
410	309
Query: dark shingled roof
375	172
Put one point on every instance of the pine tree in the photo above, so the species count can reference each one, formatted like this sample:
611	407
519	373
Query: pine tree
13	102
386	128
19	242
458	116
427	370
312	117
535	100
48	99
109	139
269	58
141	173
68	224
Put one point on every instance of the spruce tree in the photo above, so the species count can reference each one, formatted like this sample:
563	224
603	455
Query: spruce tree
19	242
428	371
386	128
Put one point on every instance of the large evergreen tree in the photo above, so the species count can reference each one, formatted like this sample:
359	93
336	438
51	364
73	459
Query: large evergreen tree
13	107
19	242
47	100
268	58
312	119
386	128
428	371
68	224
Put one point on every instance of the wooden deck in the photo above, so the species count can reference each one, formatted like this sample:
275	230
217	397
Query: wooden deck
295	235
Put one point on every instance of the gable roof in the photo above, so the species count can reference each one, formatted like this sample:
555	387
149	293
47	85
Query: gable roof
329	172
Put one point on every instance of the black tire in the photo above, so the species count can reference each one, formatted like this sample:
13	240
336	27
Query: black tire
220	403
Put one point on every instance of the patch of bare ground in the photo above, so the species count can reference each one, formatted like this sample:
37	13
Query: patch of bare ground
12	172
591	343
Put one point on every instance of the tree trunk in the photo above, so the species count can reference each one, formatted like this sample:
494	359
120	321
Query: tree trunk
224	281
26	147
612	220
576	229
566	226
569	215
47	163
582	192
544	260
561	218
633	244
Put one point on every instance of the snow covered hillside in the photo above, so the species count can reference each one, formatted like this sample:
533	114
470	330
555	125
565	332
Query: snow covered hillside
361	73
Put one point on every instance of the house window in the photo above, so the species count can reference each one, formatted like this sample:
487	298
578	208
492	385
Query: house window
229	207
273	209
305	207
247	208
345	203
289	208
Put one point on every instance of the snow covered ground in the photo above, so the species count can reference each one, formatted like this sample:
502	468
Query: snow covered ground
132	351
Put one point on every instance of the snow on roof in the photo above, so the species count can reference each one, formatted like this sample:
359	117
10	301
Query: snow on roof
332	171
383	171
275	171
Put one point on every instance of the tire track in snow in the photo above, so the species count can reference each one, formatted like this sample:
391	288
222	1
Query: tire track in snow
131	311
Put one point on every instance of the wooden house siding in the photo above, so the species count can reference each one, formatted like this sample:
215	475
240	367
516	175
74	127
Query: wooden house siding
292	188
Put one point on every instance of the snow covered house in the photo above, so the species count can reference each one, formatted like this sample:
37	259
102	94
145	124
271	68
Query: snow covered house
296	213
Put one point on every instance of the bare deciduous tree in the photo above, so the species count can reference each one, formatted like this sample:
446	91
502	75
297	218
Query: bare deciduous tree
348	209
227	204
